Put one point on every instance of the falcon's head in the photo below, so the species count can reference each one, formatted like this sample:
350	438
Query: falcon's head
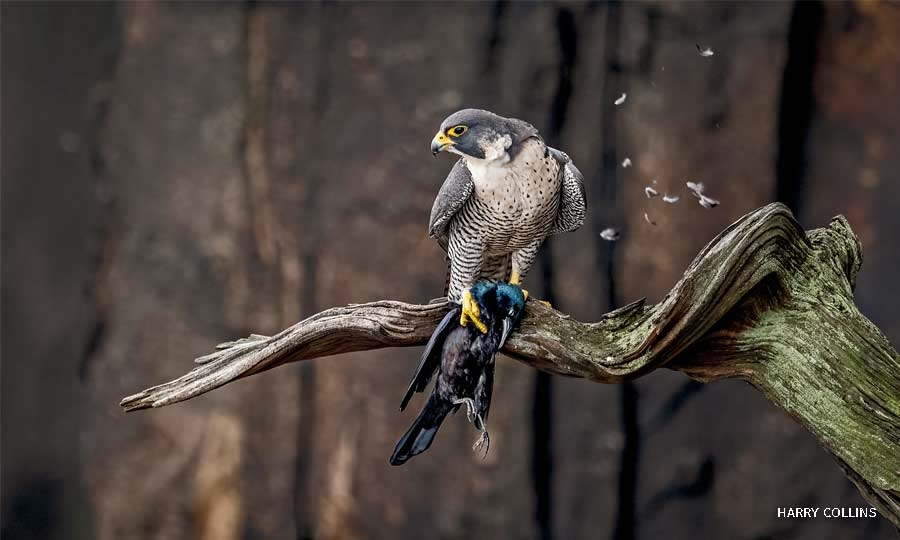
478	134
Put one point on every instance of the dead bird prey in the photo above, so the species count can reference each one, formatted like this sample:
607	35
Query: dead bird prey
464	359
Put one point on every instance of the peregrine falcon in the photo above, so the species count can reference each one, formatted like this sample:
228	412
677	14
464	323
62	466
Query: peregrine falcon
464	361
505	195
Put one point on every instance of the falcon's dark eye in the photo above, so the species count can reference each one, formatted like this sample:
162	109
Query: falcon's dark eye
457	131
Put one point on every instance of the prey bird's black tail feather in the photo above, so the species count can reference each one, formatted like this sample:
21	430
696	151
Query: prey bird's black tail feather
420	435
431	358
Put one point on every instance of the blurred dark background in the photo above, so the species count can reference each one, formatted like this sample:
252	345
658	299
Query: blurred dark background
176	175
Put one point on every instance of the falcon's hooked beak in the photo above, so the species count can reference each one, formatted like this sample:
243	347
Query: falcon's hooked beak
440	142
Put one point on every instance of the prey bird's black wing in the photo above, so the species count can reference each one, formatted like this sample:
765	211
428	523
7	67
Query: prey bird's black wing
431	358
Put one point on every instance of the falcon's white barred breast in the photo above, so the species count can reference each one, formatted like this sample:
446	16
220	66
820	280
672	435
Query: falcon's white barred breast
504	196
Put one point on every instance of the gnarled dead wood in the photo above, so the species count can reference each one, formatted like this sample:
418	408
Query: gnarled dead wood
764	301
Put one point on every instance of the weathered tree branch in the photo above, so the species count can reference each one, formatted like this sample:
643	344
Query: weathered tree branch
764	301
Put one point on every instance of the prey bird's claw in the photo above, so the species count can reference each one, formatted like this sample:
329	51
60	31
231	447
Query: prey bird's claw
483	441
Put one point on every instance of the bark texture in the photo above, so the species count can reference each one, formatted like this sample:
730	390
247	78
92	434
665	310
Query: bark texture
764	301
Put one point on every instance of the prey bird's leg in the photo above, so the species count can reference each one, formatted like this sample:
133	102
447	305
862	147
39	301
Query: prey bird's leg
484	440
470	409
475	418
478	422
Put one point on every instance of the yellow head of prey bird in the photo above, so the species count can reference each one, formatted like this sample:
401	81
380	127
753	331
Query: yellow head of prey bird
507	193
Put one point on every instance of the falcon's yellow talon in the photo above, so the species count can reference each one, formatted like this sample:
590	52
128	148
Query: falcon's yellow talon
514	279
470	312
546	303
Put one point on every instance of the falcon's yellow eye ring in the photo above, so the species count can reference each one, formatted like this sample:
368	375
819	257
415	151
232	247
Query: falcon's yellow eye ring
456	131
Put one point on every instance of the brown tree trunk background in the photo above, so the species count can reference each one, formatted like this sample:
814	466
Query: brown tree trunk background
203	171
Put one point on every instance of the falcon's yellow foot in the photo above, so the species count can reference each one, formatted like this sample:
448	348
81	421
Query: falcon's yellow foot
546	303
470	312
515	280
